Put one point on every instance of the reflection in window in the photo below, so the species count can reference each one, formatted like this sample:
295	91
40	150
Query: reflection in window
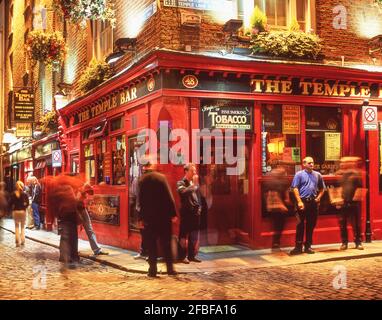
89	162
278	148
276	11
323	138
119	160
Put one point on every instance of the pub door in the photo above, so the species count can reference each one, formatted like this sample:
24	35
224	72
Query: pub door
228	218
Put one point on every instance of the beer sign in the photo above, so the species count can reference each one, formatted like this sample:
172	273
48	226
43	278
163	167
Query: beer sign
23	130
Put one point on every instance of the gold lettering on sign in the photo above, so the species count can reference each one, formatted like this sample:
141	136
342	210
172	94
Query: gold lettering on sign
258	85
380	91
272	86
83	116
344	89
365	92
305	87
317	89
286	87
331	90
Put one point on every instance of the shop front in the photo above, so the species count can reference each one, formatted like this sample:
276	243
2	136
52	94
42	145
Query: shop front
21	162
44	165
241	119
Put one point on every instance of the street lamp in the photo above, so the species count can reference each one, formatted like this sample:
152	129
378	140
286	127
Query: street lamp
367	168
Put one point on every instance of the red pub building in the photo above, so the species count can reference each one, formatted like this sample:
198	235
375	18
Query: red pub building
289	110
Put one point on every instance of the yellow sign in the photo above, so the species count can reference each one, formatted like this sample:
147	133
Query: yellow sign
23	129
332	146
291	119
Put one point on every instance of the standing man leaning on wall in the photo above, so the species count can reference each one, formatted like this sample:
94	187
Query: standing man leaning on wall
308	188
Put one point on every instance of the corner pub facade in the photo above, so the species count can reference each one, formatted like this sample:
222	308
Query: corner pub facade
291	110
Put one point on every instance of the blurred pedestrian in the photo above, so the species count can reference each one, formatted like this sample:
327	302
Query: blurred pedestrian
350	181
4	200
190	213
61	197
83	193
36	201
157	211
276	192
19	201
308	188
28	191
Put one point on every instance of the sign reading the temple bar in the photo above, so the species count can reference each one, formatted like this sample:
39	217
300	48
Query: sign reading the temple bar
198	4
24	105
226	117
291	119
315	87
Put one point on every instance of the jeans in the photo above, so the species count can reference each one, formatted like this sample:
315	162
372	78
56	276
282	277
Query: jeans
87	224
309	214
36	214
352	212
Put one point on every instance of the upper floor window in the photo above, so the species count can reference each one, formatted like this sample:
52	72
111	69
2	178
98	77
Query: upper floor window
280	13
102	35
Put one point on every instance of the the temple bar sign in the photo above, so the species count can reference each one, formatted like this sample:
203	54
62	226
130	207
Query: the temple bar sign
316	87
24	105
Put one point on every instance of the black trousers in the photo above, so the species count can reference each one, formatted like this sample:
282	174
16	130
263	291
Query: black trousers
161	234
68	242
308	216
144	247
352	212
189	237
278	222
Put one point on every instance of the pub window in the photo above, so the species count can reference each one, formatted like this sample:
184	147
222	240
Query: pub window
281	138
119	160
102	35
75	163
86	133
89	162
116	124
101	150
280	12
324	138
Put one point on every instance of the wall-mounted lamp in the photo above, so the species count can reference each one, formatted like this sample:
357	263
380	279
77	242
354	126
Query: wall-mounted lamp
122	45
375	44
62	95
232	26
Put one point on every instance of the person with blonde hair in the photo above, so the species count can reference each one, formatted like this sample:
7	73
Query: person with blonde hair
19	202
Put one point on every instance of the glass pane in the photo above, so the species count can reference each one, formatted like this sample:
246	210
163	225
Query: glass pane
119	160
281	12
271	11
260	4
300	8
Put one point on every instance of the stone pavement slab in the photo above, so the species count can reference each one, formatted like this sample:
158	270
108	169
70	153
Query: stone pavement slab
212	260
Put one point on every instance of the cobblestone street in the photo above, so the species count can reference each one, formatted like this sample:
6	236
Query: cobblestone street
21	269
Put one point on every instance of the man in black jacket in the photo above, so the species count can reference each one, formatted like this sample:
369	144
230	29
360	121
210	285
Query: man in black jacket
157	210
191	208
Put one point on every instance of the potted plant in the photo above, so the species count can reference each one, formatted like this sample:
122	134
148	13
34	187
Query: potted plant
96	73
292	43
79	11
46	47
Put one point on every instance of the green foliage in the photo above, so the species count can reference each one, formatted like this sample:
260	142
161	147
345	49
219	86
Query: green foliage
46	47
287	44
258	20
48	122
95	74
79	11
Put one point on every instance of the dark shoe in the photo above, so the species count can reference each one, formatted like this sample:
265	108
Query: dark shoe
194	259
359	246
152	275
172	273
185	261
344	246
309	251
295	251
140	256
101	253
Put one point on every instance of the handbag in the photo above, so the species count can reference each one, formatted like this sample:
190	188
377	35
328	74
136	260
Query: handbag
359	194
335	196
274	203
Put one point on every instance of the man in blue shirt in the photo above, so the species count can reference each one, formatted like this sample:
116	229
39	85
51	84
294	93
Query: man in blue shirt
308	188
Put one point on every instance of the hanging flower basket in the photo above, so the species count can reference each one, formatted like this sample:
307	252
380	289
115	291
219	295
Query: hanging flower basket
96	73
79	11
46	47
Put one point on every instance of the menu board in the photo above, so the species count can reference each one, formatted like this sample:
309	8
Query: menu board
291	119
332	146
